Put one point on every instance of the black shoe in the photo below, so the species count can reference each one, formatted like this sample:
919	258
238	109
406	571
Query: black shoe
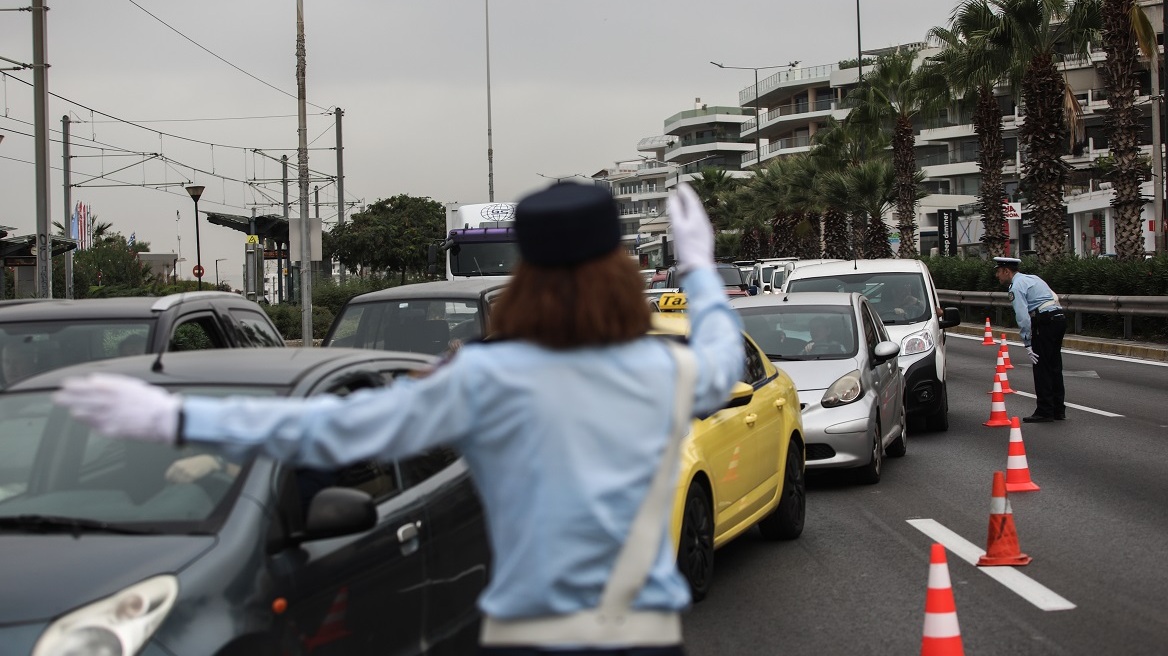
1060	417
1033	419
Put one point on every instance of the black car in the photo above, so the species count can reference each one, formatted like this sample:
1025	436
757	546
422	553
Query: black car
423	318
104	553
38	335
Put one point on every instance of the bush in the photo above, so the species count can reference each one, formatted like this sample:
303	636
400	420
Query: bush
1068	275
287	320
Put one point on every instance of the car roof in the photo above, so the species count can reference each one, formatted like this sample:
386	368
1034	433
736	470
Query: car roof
462	288
250	366
122	307
796	299
857	266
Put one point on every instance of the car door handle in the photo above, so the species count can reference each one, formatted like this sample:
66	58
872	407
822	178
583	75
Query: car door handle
750	419
408	532
779	403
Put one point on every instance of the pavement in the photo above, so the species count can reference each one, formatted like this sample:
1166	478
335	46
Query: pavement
1122	347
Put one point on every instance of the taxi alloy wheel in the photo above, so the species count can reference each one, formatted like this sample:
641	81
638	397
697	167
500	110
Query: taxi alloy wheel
786	522
870	473
695	554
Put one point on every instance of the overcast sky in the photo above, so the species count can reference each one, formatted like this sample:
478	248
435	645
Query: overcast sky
575	84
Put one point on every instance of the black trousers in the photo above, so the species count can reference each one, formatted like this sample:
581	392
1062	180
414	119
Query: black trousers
533	651
1047	331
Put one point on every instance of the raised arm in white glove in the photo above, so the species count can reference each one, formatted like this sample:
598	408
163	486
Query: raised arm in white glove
693	236
1032	354
120	406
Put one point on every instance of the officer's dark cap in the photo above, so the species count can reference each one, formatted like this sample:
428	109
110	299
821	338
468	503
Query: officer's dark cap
566	224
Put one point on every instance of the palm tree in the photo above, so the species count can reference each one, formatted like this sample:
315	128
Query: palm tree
714	186
836	148
894	92
1041	34
1126	33
765	214
973	68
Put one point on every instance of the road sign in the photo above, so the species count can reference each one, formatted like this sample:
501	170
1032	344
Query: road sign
253	239
273	254
198	271
20	260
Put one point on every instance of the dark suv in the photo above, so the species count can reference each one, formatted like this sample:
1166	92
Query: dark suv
38	335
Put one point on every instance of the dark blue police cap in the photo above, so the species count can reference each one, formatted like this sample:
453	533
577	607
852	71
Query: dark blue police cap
566	224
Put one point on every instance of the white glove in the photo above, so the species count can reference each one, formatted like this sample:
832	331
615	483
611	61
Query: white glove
120	406
189	470
1032	354
693	236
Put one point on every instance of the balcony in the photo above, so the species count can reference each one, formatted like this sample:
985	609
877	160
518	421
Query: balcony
791	77
777	147
705	116
801	110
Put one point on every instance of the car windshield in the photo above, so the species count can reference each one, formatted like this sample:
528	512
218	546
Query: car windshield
898	297
793	332
56	472
428	325
731	276
483	258
28	348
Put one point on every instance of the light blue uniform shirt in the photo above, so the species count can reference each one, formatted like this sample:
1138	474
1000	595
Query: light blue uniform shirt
561	444
1027	293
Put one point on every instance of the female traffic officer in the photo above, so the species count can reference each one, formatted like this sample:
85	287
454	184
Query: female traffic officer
569	424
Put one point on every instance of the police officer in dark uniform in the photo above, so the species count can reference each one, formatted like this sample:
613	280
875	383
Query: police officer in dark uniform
1041	324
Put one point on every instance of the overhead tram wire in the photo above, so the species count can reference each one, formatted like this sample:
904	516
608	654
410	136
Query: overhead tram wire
142	127
206	50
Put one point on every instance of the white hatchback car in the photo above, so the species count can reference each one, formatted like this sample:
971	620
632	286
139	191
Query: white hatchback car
903	294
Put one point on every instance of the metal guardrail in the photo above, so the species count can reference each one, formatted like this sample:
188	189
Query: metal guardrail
1075	304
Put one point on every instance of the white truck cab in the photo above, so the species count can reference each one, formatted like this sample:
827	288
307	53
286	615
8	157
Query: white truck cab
480	241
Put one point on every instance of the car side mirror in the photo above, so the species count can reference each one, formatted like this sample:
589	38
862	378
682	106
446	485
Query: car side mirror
950	317
740	395
884	352
337	511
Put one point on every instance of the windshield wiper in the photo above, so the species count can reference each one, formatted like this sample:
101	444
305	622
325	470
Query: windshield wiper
787	358
74	525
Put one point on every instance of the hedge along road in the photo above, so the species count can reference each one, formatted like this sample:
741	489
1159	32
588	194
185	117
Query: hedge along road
854	583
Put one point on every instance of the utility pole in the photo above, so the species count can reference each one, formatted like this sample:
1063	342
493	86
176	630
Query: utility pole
280	261
340	179
40	92
490	144
68	216
1157	157
302	161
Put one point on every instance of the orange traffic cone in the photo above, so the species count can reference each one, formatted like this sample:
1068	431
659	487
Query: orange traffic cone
1000	372
732	468
997	385
333	627
1005	352
942	635
1017	471
1002	542
998	415
988	340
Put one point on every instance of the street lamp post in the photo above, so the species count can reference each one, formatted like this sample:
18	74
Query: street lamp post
757	106
195	191
217	261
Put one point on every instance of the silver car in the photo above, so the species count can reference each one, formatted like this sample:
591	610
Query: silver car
836	350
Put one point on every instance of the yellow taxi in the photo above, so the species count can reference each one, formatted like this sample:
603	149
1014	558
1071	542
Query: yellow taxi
741	466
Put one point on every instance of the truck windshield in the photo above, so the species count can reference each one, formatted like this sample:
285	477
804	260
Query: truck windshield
483	259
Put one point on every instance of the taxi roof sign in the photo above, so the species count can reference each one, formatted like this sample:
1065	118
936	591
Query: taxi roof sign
671	302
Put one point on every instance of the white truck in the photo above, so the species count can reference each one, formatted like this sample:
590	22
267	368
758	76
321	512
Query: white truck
480	241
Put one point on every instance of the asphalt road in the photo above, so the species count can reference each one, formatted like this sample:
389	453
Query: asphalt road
855	582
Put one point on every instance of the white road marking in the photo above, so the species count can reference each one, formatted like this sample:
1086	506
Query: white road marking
1073	405
1105	356
1041	596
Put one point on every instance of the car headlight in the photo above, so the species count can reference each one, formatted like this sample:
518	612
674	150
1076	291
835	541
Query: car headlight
916	343
115	626
844	390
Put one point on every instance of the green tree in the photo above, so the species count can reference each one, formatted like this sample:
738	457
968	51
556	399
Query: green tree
715	187
390	235
1041	34
1126	33
893	93
974	68
109	268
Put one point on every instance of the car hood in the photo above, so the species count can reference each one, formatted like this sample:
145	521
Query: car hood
897	333
816	374
46	576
